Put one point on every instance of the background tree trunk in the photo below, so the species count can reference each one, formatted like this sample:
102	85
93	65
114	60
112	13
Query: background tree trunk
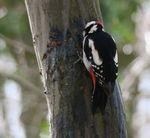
56	27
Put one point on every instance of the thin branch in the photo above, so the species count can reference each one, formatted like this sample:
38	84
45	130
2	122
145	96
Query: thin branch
132	73
21	81
17	44
144	95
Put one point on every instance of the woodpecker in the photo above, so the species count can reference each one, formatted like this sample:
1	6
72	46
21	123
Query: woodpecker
101	60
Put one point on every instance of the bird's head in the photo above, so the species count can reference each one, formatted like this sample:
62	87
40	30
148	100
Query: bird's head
92	27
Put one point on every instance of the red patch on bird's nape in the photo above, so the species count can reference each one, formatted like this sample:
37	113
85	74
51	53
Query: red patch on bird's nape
99	22
92	77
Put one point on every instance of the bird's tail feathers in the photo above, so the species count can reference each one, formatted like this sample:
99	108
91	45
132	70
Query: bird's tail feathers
99	99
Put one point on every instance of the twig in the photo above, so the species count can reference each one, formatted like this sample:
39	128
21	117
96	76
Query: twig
21	80
17	44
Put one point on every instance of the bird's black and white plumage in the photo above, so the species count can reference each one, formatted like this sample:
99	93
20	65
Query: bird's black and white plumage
101	60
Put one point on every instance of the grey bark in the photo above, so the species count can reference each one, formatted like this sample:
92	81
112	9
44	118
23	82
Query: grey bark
56	27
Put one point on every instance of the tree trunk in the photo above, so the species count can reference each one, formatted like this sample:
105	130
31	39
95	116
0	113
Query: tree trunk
56	27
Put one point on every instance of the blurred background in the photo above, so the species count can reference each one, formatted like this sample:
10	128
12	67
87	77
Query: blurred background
23	109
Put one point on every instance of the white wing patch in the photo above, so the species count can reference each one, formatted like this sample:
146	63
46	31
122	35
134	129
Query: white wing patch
113	39
116	57
93	29
103	30
85	60
95	55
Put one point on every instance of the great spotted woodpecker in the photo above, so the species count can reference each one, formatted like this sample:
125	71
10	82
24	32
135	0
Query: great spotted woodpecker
101	60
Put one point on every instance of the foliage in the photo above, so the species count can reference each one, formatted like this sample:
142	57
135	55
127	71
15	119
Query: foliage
118	18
